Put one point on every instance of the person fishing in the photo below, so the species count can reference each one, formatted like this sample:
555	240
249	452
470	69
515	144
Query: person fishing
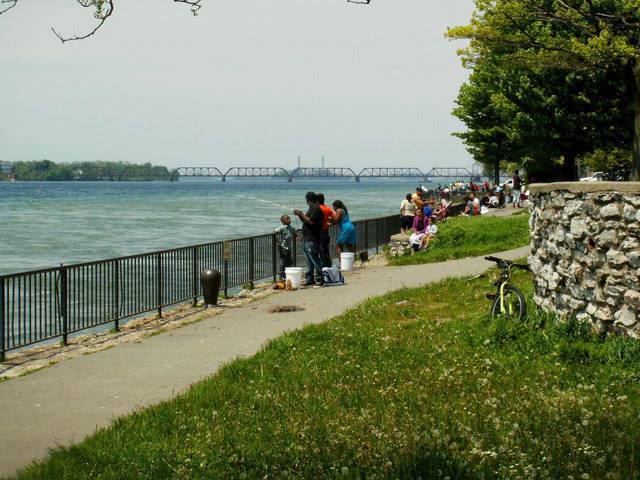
346	241
325	238
285	244
311	231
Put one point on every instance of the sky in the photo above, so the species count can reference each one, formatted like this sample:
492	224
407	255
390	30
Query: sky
245	83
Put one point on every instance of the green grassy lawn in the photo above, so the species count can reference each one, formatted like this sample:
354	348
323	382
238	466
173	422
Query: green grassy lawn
461	237
415	384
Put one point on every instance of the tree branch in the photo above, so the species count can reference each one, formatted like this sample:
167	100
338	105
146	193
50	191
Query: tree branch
101	14
195	5
6	5
104	9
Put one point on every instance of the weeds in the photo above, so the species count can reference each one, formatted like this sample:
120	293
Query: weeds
461	237
390	390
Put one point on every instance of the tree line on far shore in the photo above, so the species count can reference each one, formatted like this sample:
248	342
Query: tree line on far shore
43	170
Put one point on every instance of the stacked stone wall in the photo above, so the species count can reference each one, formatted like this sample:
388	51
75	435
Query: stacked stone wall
585	252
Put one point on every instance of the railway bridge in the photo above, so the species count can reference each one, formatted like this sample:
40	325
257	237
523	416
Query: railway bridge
332	172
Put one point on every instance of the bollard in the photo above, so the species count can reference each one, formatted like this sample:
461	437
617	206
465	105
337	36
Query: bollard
210	282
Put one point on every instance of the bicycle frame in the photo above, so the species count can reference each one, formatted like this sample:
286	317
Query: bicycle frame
503	281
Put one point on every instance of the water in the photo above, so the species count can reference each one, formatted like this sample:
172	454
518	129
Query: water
43	224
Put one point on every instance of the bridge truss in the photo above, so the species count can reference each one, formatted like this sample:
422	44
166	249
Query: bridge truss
308	172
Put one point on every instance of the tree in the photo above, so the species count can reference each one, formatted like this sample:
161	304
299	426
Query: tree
103	9
544	118
571	35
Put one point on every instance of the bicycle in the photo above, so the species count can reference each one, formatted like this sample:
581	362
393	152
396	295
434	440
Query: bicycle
508	301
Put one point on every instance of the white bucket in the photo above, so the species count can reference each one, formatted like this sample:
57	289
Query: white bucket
294	274
346	261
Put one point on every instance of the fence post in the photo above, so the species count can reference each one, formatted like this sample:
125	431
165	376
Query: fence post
2	321
377	235
274	247
159	282
226	278
226	256
195	276
295	249
252	260
366	235
64	294
116	297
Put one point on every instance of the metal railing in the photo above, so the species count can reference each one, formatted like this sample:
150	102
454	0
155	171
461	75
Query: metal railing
41	305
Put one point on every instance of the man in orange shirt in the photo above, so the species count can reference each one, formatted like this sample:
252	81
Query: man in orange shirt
327	215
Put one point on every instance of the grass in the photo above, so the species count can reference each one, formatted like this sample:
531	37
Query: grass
416	384
461	237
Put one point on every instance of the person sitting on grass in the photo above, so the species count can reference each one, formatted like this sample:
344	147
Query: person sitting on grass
428	209
442	212
419	239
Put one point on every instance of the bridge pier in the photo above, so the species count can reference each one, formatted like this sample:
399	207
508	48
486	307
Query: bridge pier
357	179
290	179
224	178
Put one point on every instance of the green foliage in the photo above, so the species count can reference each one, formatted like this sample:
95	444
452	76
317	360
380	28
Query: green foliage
461	237
47	170
615	163
415	384
580	63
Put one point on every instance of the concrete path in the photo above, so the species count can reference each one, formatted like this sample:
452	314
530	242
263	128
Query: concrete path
64	403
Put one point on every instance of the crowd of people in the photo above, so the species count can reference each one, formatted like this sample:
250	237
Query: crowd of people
497	196
315	236
418	213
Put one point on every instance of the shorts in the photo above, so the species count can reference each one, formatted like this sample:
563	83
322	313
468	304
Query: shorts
406	221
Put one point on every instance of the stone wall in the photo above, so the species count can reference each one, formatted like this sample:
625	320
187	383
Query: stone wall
585	252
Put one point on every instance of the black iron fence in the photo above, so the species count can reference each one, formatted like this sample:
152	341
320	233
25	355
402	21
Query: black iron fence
45	304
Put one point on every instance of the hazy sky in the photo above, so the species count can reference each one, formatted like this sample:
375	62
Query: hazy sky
252	82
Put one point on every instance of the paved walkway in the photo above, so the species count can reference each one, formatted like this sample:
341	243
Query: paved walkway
64	403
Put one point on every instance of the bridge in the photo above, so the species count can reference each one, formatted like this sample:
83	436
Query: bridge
339	172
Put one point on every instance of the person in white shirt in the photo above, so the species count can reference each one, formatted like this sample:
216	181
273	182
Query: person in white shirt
407	212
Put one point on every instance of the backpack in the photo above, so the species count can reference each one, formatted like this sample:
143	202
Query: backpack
332	276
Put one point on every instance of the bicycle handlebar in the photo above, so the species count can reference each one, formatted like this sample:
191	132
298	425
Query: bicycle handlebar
507	262
523	267
497	260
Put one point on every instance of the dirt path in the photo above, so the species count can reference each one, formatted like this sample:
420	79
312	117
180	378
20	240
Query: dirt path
64	403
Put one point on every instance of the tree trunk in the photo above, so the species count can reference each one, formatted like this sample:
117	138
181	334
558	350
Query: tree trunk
635	160
496	172
568	172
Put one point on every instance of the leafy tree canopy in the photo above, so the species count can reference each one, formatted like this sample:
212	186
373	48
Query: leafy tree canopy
575	61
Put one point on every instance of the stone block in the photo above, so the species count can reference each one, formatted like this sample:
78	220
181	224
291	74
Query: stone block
579	227
604	314
634	259
632	298
630	243
629	213
573	207
616	258
611	210
607	238
625	317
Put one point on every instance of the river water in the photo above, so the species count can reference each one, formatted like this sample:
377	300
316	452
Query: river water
43	224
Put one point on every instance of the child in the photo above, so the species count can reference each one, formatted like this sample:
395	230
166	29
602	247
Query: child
285	244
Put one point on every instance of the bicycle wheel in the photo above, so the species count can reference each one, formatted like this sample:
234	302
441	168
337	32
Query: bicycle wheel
515	306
